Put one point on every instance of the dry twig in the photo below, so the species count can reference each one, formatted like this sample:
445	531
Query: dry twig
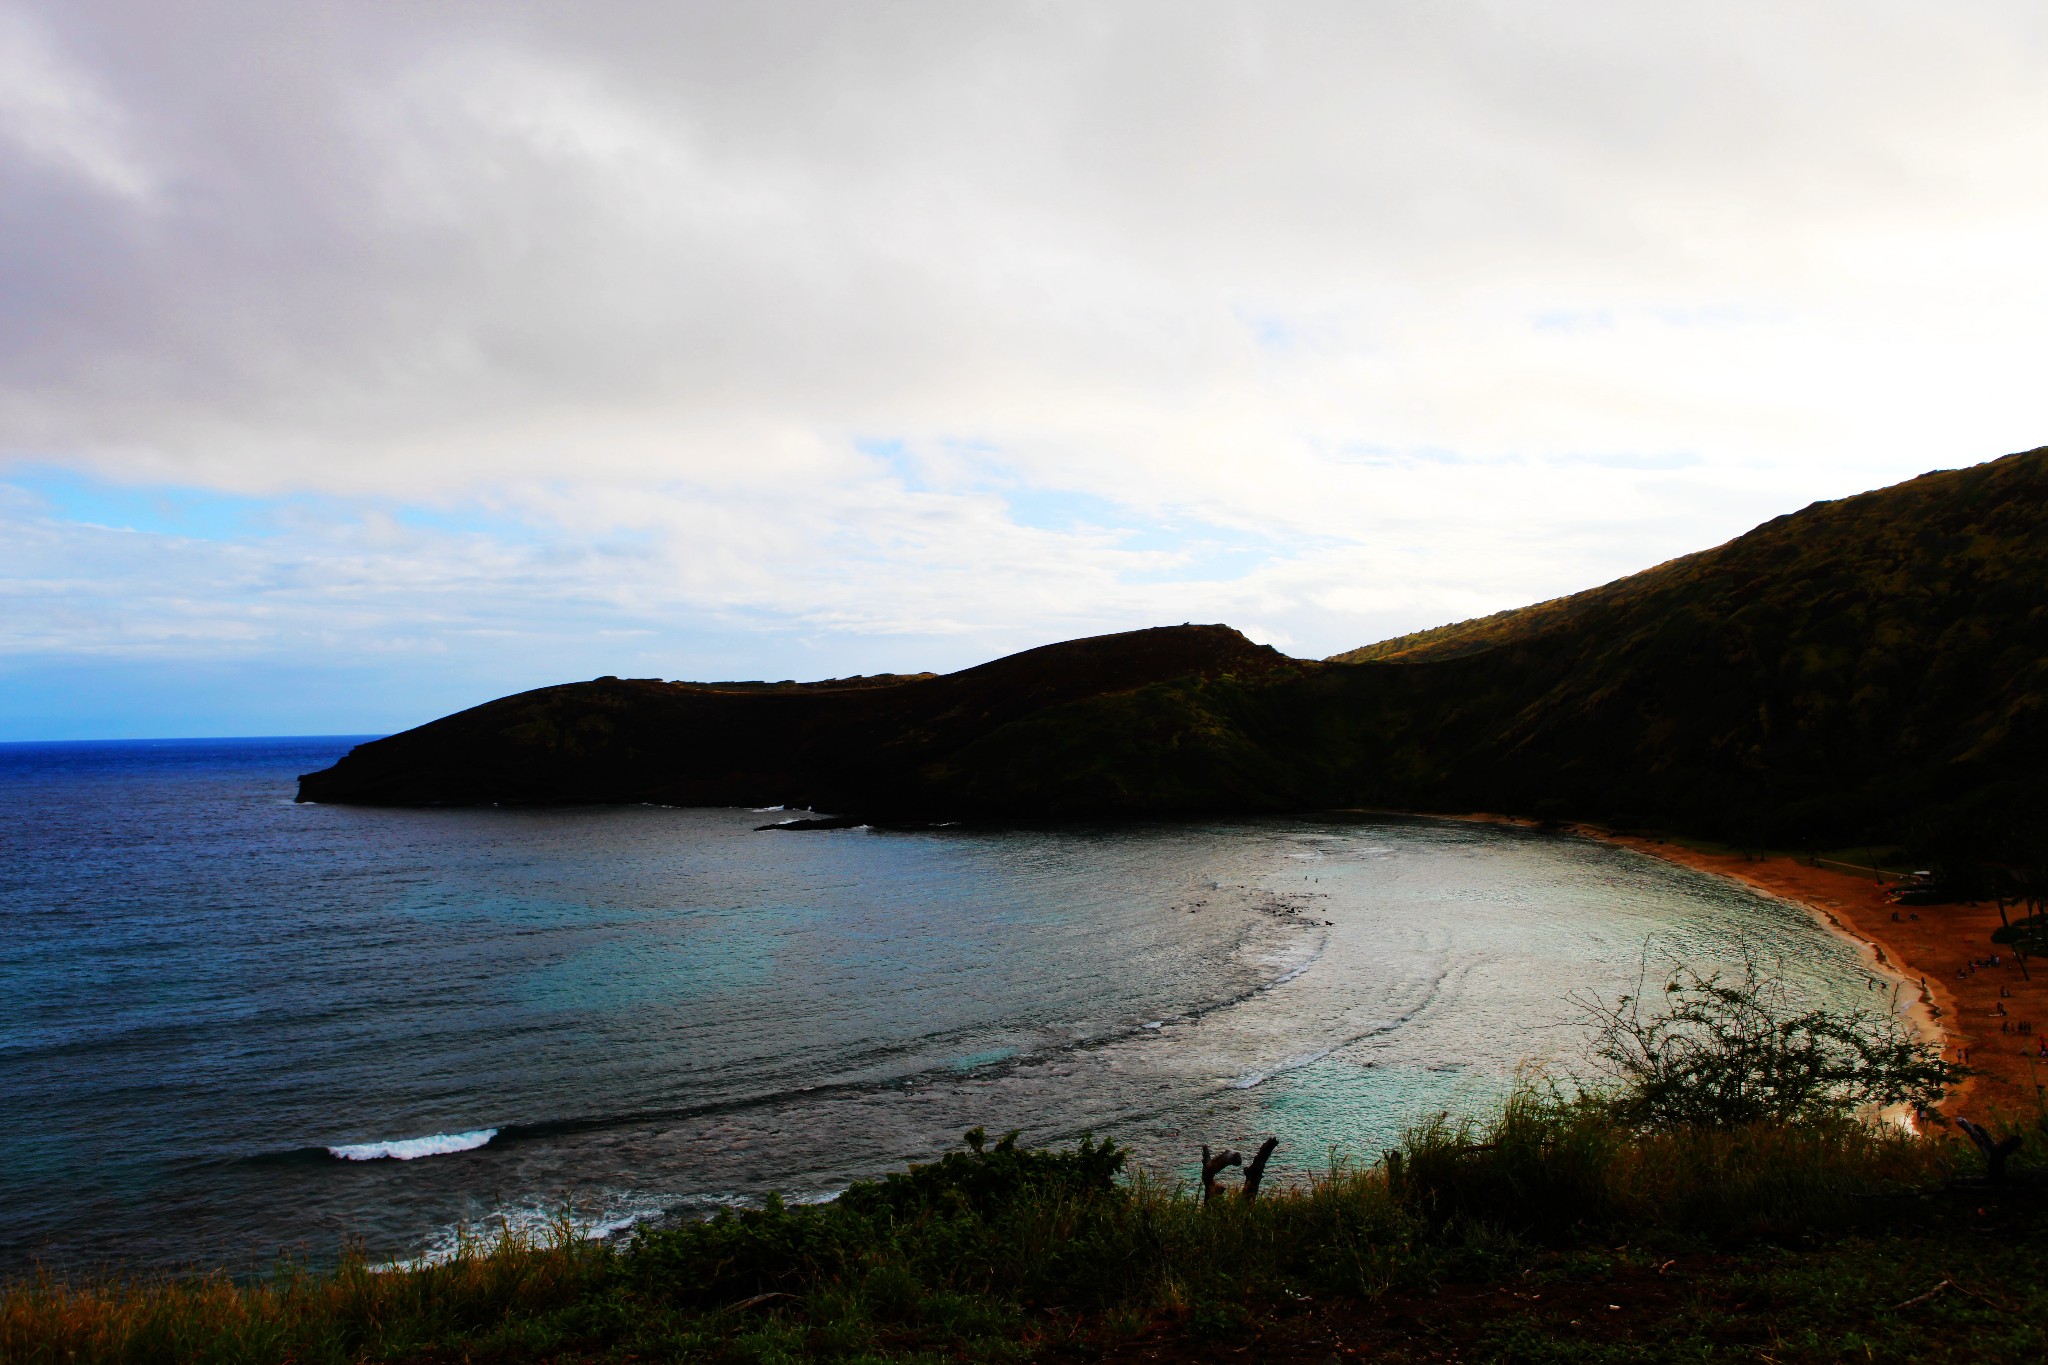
1919	1299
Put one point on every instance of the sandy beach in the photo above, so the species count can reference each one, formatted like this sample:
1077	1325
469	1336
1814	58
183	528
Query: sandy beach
1975	1011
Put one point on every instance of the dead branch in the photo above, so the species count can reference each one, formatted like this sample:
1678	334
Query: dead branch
1212	1166
1995	1152
1256	1170
1919	1299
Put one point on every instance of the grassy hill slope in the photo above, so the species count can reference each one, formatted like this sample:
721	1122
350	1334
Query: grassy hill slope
1878	661
1874	666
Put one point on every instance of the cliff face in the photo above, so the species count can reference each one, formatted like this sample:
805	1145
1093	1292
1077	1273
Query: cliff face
1874	667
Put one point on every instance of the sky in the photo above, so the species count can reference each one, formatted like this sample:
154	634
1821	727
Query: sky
364	361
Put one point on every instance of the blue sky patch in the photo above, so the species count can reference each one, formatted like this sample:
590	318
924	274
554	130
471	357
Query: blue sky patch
193	513
1574	320
894	454
1059	509
1202	552
205	514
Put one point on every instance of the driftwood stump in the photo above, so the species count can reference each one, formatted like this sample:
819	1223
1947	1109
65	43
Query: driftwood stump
1256	1170
1212	1166
1995	1152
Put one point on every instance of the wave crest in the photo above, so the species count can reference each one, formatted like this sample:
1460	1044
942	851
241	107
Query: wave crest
409	1149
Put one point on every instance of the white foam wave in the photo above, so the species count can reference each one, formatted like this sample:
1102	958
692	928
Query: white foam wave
610	1214
409	1149
1252	1080
536	1224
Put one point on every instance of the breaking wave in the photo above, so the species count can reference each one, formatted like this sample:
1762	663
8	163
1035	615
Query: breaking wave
410	1149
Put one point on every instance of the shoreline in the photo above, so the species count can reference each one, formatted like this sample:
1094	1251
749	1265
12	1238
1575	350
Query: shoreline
1937	953
1928	949
1927	1000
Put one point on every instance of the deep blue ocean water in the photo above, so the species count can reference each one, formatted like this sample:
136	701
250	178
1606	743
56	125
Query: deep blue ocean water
232	1026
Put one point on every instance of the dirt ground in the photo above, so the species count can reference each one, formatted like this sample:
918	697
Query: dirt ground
1423	1326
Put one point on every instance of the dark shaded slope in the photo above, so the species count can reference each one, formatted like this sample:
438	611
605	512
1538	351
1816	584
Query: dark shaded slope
1864	668
1870	668
860	742
1864	665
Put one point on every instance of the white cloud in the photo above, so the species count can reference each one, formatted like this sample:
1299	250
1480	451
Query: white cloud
55	113
1437	308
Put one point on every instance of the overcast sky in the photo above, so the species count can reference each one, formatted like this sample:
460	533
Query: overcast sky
363	361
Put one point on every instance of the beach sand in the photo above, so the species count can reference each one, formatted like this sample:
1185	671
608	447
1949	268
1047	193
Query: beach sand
1930	943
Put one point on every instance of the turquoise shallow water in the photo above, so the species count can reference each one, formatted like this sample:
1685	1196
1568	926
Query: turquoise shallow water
235	1025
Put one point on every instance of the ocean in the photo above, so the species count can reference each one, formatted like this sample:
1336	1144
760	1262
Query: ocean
233	1027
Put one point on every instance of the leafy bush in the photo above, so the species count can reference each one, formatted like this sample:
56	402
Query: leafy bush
985	1179
1722	1053
958	1220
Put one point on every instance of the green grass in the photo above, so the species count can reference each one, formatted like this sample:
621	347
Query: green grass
1504	1239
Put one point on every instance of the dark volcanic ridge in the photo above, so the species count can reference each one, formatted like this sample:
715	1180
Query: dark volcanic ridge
865	743
1874	667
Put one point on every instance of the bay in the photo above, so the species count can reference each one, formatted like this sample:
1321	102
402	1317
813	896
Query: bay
235	1026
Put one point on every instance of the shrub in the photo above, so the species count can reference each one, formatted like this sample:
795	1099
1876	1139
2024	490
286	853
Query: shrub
1542	1168
961	1222
1723	1053
985	1179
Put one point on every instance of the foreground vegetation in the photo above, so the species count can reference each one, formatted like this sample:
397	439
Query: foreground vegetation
1548	1233
1719	1199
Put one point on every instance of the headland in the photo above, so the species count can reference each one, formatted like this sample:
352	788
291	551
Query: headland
1870	670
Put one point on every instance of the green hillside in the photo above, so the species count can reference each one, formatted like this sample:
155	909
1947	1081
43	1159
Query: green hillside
1871	667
